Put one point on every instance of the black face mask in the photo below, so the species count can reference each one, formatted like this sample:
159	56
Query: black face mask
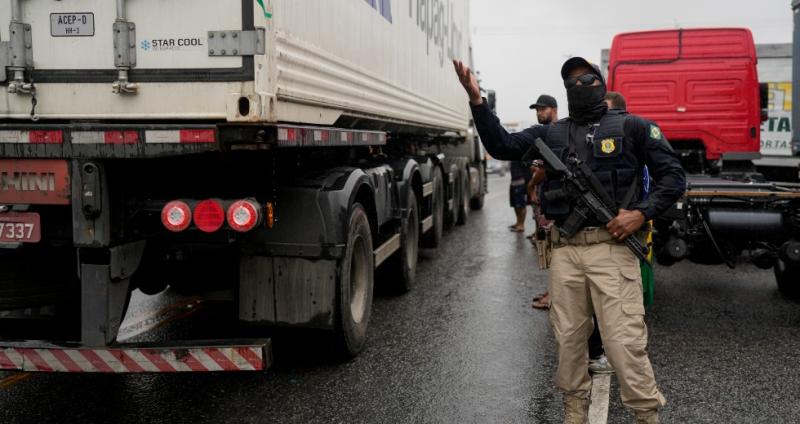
586	103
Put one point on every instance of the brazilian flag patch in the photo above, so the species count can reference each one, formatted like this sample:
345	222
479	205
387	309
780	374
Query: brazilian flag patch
655	132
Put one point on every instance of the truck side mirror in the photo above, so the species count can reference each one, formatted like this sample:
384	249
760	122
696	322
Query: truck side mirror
763	91
491	97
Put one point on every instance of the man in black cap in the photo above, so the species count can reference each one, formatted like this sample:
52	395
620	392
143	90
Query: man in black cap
593	272
546	109
521	177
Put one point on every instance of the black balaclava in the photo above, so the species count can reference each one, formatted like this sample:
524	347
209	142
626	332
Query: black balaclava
587	103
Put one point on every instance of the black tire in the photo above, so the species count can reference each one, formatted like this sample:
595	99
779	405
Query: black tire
476	203
788	278
354	286
403	264
434	237
451	214
463	202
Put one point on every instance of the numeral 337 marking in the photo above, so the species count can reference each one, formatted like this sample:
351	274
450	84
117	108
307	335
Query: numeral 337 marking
16	230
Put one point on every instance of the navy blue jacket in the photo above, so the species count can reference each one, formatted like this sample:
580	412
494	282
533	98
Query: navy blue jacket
669	179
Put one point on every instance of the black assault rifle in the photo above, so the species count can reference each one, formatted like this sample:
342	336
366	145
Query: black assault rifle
582	189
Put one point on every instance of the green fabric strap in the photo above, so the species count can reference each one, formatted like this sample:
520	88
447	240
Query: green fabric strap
648	283
267	15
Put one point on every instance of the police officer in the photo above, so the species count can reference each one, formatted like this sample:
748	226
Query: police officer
593	271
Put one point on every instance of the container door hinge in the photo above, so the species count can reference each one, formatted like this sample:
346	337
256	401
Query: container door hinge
124	51
16	58
124	56
236	43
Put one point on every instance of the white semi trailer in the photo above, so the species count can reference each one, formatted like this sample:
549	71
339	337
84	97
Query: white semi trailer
777	162
285	149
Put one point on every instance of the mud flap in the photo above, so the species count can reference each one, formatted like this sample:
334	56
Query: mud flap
287	291
105	293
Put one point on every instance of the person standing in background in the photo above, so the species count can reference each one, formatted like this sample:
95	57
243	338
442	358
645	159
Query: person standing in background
520	195
517	196
547	114
615	100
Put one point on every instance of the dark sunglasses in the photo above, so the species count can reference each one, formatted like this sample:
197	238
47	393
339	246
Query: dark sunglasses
585	79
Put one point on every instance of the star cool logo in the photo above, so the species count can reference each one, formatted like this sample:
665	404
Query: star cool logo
145	45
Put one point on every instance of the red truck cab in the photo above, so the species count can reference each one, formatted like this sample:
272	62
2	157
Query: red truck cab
700	85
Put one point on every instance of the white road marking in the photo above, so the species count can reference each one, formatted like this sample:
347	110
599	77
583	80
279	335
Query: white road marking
598	411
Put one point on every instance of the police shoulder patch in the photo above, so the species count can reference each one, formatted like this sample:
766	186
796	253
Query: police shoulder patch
655	132
608	145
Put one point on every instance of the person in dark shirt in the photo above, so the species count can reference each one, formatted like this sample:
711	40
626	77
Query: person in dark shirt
592	272
520	192
517	196
546	113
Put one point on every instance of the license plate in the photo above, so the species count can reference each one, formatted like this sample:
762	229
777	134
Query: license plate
72	24
20	228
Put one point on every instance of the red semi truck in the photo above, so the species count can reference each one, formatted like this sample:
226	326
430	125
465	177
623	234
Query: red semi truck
701	86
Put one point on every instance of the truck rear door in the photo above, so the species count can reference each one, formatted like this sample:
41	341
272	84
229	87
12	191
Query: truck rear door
78	49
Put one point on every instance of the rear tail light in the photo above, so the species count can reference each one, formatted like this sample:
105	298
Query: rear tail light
244	215
209	215
176	216
270	212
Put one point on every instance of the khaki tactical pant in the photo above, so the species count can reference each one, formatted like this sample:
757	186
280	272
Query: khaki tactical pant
603	278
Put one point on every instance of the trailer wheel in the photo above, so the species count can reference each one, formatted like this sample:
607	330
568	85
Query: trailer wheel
476	203
452	213
788	279
402	266
354	286
463	202
434	237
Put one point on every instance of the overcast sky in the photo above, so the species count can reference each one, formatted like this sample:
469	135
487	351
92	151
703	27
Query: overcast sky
520	45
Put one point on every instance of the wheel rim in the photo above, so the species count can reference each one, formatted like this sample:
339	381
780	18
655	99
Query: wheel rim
359	280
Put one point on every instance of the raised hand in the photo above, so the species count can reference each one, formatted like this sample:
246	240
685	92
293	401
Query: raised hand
469	82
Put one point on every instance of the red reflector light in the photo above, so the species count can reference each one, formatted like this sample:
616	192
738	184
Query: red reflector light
121	137
46	137
176	216
209	215
198	136
270	212
243	215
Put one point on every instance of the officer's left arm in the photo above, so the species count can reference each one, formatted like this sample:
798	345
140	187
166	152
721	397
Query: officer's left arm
669	178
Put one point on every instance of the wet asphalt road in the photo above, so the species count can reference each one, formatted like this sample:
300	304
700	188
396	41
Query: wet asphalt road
464	346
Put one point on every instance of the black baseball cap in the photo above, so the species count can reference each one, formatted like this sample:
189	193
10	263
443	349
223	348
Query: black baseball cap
576	62
545	101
